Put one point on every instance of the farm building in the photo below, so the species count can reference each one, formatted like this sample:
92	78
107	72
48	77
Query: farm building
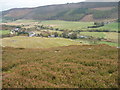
31	34
82	37
15	31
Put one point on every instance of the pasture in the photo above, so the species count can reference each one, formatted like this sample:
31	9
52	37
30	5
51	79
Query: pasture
109	43
93	34
111	27
65	25
113	36
4	32
36	42
24	21
69	25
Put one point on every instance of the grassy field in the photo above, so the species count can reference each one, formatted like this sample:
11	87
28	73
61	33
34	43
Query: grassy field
111	27
83	41
37	42
93	34
4	32
109	43
113	36
24	21
79	25
67	24
89	66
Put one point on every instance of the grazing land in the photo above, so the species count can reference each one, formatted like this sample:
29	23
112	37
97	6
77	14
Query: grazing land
109	43
36	42
94	34
74	26
4	32
106	35
79	25
87	66
67	24
111	27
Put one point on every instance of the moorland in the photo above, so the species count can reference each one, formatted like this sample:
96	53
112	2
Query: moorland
73	45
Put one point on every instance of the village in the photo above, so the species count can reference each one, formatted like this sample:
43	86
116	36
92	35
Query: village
45	33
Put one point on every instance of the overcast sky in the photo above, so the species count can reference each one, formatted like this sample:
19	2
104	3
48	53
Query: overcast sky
8	4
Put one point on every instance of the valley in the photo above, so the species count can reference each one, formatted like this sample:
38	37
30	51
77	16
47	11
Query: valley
73	45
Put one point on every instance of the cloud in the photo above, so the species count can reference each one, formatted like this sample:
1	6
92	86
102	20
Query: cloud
8	4
102	1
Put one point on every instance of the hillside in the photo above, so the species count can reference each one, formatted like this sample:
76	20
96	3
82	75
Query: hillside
69	12
89	66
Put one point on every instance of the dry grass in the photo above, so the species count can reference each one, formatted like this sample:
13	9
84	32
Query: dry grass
88	18
88	66
112	36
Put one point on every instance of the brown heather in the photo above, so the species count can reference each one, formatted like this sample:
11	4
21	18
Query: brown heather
87	66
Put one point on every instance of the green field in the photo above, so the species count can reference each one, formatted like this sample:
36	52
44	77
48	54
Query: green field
37	42
24	21
111	36
93	34
67	24
4	32
111	27
108	43
88	42
79	25
71	25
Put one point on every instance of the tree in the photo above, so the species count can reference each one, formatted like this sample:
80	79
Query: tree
65	34
73	35
56	29
56	34
118	20
45	34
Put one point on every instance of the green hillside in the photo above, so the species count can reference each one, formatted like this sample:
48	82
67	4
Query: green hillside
104	14
69	12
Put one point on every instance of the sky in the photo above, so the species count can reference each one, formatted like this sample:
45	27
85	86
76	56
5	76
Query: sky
8	4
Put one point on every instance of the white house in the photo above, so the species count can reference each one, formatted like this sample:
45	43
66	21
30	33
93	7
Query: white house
31	34
14	31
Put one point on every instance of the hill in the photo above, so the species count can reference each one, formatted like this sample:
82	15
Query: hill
69	12
89	66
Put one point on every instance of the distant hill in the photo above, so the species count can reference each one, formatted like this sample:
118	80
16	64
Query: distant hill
85	11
